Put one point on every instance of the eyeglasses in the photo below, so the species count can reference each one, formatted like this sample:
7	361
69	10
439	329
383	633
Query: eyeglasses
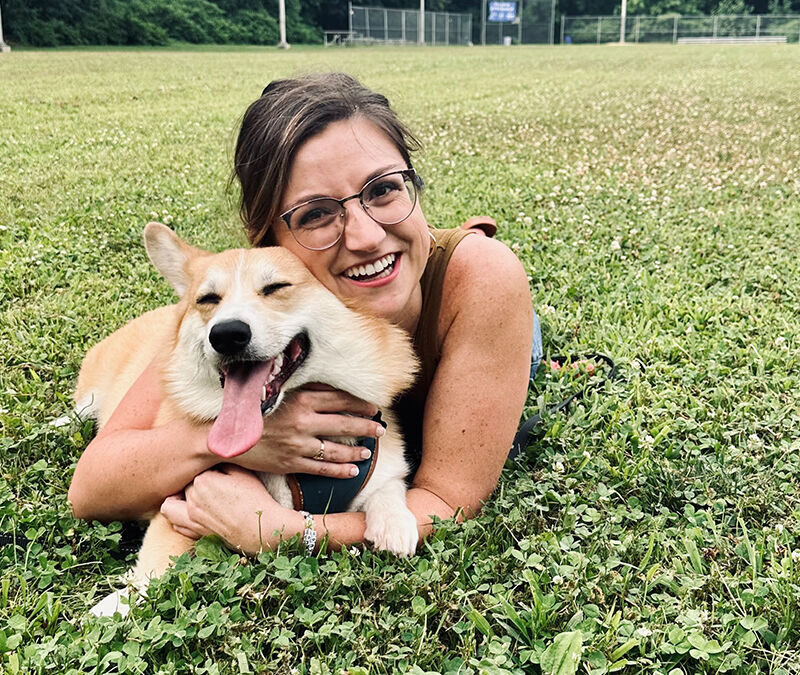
388	199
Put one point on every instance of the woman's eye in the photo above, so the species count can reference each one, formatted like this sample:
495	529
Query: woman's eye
383	189
208	299
317	216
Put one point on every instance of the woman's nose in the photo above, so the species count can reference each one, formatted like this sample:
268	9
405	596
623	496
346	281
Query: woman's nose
361	233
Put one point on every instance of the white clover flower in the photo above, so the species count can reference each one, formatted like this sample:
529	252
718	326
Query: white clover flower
559	466
796	555
616	245
644	632
558	580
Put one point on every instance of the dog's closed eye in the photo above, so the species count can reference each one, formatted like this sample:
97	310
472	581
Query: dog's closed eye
208	299
269	289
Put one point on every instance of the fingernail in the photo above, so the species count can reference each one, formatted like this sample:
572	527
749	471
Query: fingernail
354	472
365	454
380	432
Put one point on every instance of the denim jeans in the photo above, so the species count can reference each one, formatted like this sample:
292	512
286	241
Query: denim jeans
537	349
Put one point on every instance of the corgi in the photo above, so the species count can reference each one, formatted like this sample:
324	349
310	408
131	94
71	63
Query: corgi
252	325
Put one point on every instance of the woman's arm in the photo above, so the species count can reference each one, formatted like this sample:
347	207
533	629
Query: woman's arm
471	415
130	467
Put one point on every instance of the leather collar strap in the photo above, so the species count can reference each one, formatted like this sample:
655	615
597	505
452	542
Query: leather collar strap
320	494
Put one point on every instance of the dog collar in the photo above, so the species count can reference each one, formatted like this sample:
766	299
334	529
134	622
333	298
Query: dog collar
321	494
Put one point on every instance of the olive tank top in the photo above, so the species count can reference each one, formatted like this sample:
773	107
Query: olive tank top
411	405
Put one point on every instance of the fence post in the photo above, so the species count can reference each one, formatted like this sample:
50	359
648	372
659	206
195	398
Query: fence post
446	29
758	25
385	24
552	35
598	29
519	25
716	24
675	31
563	22
637	29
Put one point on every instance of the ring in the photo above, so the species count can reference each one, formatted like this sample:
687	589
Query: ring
320	456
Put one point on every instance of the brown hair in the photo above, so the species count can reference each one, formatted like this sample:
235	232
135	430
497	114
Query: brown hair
287	114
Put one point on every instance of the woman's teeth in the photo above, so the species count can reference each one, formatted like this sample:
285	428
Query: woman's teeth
376	270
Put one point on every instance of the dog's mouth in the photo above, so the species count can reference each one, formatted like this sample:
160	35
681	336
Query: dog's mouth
251	390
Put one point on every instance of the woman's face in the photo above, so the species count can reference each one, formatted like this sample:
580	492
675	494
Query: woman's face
337	163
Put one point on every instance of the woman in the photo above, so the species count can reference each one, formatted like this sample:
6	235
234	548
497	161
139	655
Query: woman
463	296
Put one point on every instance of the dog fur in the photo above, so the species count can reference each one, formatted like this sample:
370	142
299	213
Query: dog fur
272	291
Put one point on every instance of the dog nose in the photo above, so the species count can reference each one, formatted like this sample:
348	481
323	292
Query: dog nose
230	337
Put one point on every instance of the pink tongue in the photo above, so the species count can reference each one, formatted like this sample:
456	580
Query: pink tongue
239	424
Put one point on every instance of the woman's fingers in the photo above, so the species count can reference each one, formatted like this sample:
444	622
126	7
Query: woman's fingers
336	452
344	425
334	402
329	469
176	511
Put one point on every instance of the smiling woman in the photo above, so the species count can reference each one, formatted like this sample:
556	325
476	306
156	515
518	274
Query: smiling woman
325	170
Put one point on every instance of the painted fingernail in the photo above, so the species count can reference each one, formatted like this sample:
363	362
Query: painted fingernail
380	432
365	454
354	472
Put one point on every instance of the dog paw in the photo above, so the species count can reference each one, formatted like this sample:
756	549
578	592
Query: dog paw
113	604
395	532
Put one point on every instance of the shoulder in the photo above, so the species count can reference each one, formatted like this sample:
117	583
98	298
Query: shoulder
484	270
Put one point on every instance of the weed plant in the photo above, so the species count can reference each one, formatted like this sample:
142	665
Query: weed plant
652	195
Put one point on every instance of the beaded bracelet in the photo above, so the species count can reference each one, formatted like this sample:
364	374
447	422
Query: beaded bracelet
310	533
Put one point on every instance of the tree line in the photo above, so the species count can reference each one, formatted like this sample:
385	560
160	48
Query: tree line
46	23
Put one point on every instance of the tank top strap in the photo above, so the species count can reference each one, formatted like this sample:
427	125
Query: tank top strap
432	283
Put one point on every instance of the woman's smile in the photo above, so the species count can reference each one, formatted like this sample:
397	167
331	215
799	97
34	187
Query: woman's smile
378	273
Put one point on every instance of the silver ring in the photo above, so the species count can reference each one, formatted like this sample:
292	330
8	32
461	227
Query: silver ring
320	456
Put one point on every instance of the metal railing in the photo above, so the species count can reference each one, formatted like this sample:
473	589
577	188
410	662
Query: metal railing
601	29
401	26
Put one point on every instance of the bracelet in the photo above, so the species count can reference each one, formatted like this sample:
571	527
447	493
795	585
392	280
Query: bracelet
310	533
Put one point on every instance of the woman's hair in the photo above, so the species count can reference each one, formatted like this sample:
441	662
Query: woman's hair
275	126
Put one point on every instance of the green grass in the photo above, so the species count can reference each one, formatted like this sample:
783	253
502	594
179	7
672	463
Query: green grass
653	194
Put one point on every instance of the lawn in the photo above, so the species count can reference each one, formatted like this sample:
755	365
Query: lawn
652	193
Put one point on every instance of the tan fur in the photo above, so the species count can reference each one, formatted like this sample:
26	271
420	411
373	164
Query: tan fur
363	355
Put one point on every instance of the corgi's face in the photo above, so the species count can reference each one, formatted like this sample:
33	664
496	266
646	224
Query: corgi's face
243	310
243	334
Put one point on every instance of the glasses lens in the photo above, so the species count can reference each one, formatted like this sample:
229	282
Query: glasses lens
389	199
317	224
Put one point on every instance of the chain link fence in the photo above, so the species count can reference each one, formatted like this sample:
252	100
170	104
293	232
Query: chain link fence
682	29
401	26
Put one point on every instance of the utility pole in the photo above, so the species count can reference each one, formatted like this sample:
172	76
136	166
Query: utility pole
3	46
282	23
421	38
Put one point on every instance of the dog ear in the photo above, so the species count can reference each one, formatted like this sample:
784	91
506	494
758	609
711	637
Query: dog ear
169	254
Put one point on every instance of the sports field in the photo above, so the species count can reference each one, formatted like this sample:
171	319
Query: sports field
653	194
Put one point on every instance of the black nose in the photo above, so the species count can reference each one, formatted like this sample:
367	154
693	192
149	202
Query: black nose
230	337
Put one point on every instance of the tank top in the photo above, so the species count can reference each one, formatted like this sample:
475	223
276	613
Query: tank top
411	405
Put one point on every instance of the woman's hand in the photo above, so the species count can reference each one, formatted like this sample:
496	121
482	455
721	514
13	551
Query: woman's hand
233	503
291	438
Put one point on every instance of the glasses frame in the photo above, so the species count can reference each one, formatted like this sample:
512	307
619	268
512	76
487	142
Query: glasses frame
409	174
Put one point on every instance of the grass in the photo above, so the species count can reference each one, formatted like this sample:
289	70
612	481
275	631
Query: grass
652	194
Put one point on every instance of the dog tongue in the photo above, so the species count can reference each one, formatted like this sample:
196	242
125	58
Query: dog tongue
239	424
